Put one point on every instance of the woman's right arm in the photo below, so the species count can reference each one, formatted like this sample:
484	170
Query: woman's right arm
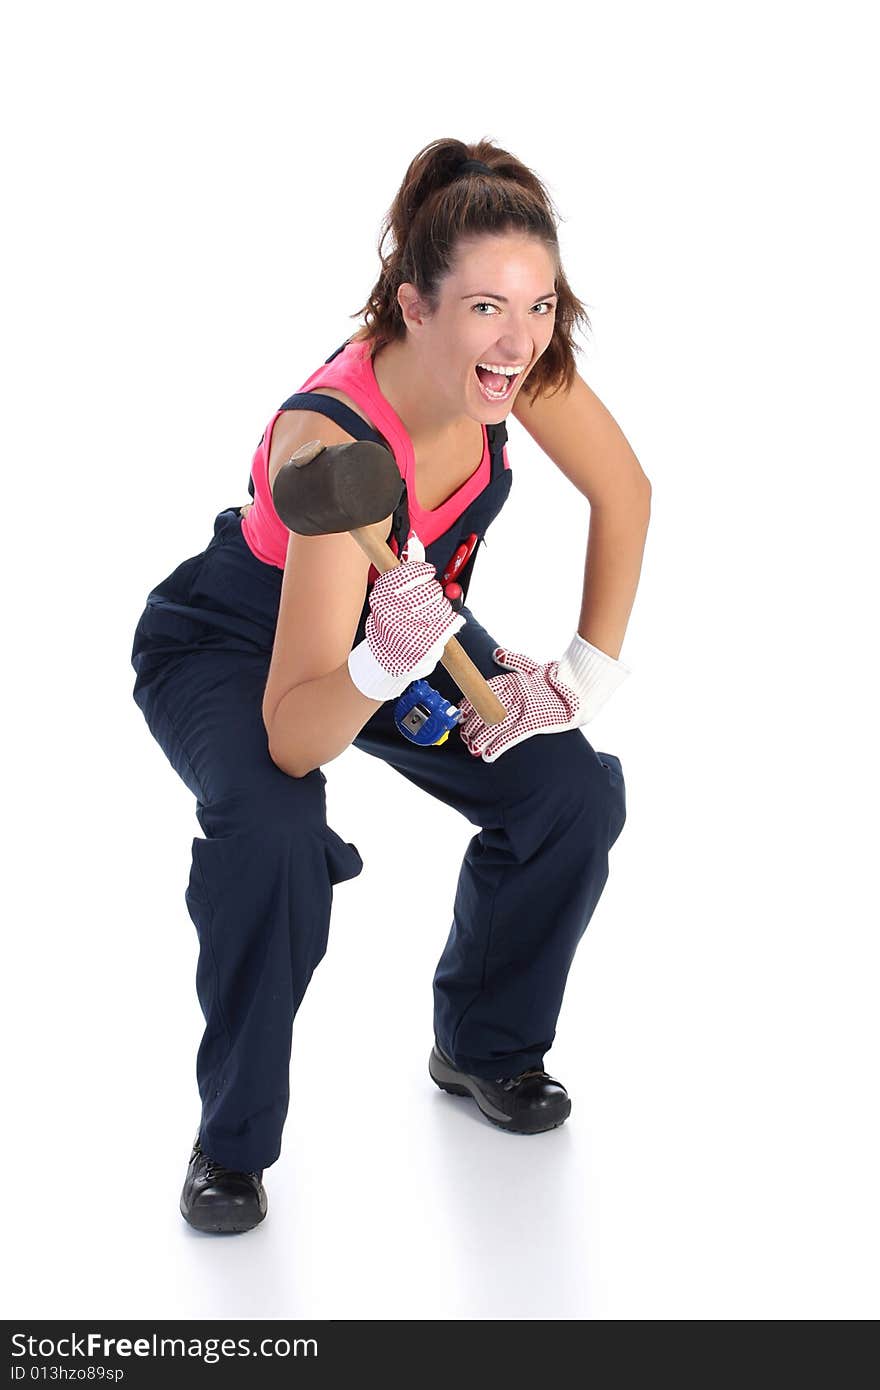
312	709
316	721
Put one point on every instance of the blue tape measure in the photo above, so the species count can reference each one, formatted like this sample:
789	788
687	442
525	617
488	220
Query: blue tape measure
423	715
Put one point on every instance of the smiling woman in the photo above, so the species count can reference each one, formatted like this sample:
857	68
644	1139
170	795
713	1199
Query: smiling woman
264	657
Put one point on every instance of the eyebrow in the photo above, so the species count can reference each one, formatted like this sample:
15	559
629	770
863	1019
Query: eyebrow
487	294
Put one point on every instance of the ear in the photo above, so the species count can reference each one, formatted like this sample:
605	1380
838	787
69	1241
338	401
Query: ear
413	310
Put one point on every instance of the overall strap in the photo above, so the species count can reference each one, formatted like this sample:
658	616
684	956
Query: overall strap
497	439
338	411
345	417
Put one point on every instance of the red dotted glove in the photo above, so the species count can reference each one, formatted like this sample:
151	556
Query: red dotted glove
406	632
541	697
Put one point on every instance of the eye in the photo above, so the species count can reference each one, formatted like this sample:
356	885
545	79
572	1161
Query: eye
542	304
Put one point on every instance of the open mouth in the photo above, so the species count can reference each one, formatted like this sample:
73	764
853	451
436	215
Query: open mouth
494	386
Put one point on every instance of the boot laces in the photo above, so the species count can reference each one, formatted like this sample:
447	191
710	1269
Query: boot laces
515	1080
213	1169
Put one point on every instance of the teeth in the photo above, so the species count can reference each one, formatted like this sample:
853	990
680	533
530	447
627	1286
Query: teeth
505	371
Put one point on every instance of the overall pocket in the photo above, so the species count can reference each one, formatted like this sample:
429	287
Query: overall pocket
617	790
343	859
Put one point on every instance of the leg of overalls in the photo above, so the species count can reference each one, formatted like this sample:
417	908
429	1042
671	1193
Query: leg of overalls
550	808
260	890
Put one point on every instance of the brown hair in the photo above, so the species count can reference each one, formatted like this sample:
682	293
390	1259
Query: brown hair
434	208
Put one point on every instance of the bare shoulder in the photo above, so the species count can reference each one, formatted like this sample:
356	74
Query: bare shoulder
557	403
581	436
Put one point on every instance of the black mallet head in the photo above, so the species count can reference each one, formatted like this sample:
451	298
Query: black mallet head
323	489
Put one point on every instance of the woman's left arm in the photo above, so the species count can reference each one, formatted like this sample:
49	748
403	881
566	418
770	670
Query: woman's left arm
577	432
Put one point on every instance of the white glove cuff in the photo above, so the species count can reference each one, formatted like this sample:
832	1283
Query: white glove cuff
370	677
593	674
373	680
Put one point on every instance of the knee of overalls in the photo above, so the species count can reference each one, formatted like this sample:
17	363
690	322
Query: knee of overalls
564	788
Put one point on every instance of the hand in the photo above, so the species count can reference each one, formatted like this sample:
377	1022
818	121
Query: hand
409	624
542	698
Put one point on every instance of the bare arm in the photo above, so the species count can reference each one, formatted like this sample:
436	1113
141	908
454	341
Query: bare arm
316	721
312	709
613	566
579	435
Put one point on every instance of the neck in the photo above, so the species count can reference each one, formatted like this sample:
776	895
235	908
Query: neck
412	395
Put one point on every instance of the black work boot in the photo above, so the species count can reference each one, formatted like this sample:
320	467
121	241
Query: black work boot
215	1198
525	1104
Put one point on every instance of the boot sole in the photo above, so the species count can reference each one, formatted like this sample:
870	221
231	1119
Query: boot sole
454	1084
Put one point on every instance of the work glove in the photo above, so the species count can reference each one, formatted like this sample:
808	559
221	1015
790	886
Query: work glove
409	624
542	698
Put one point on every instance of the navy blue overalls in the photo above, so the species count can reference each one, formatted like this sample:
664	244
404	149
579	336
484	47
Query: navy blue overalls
260	888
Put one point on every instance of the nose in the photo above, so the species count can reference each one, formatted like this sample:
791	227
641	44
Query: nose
516	347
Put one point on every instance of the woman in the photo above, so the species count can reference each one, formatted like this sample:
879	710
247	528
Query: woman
269	653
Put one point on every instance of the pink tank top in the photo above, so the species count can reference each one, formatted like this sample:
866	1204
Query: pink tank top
351	371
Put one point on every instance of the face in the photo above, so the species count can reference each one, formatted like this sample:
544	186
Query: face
496	307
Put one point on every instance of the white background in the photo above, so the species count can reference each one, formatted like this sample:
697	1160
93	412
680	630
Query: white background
193	198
